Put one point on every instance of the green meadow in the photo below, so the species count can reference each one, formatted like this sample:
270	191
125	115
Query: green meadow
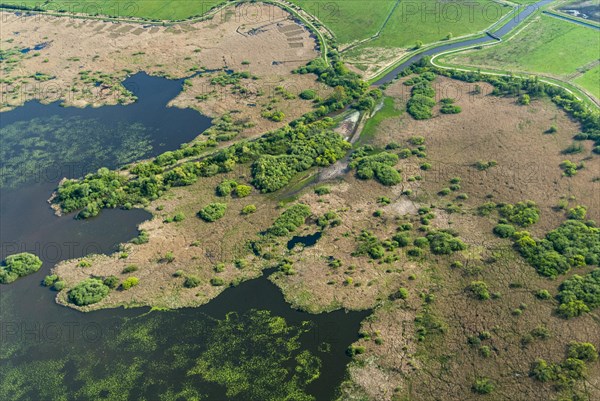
150	9
547	45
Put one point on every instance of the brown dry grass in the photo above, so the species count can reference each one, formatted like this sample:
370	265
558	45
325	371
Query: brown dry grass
197	246
227	42
444	366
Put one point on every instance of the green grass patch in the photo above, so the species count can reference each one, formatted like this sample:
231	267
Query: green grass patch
590	81
432	21
150	9
349	20
388	110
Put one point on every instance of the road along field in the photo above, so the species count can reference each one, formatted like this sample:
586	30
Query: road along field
415	24
546	46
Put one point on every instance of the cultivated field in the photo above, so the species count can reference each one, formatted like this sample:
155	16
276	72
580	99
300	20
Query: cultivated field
547	46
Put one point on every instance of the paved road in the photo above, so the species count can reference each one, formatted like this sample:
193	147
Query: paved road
513	22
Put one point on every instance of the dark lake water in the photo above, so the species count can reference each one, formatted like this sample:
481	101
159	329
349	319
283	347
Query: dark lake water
49	352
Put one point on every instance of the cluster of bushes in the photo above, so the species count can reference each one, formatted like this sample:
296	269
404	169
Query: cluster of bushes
422	100
274	115
448	106
212	212
572	368
19	265
483	165
329	219
225	128
445	243
574	243
229	187
89	291
569	168
53	281
368	100
290	220
224	79
369	244
293	148
579	294
479	290
523	214
348	86
379	166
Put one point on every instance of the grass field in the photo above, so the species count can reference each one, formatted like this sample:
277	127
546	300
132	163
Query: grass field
388	110
547	45
591	81
151	9
349	20
431	21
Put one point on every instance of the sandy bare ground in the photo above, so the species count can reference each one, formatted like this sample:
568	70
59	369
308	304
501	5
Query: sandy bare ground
259	38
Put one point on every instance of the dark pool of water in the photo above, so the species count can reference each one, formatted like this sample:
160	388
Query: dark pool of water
307	240
35	331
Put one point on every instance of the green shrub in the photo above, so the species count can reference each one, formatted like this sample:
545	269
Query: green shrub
579	294
421	242
308	94
59	285
130	269
248	209
217	281
49	280
569	168
425	166
212	212
226	187
523	214
450	109
322	190
111	282
19	265
542	371
130	282
479	290
142	238
543	294
483	165
443	243
88	292
577	213
504	230
241	191
415	252
290	220
192	281
179	217
582	351
378	166
483	386
420	106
